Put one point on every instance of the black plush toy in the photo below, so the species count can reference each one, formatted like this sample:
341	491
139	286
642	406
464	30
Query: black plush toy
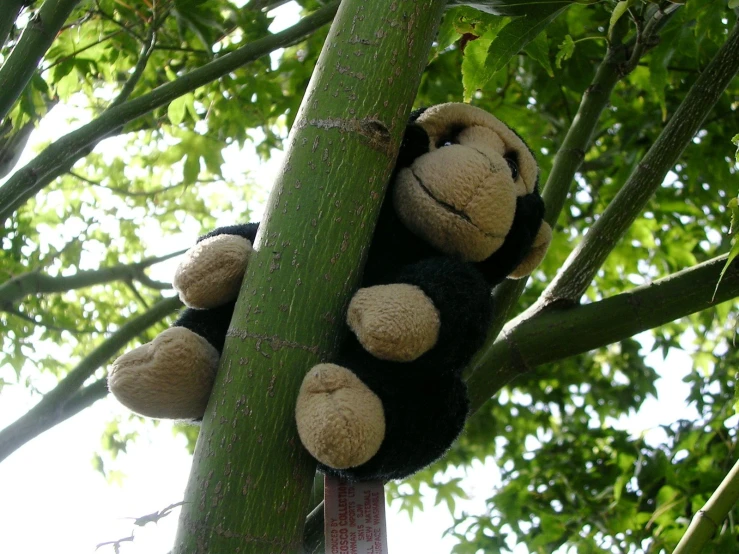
463	212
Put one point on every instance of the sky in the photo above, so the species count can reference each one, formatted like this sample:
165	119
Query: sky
52	500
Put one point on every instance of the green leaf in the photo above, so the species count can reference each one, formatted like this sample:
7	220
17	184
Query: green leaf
448	33
517	34
660	58
448	493
566	49
618	11
191	169
176	110
733	4
504	7
538	49
474	74
733	206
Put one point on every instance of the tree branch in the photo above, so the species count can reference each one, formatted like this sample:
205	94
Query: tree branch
582	265
557	333
708	520
20	66
43	323
12	11
113	20
35	282
68	398
32	428
614	67
124	192
57	158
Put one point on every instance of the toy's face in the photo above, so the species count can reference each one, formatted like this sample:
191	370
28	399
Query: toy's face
462	193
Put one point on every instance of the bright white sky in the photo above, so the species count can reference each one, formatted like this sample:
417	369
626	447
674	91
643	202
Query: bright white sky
53	500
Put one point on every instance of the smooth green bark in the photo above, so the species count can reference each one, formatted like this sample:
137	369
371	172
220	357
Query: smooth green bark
250	485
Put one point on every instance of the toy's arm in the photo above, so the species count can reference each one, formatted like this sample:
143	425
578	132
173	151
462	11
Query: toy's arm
211	272
435	313
244	230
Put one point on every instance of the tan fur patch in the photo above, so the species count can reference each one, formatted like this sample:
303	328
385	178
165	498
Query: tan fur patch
340	421
536	254
169	377
394	322
212	271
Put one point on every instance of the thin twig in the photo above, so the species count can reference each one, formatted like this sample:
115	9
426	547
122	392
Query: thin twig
46	324
146	51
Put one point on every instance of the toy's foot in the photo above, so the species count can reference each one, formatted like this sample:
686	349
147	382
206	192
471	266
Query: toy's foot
212	271
340	420
394	322
169	377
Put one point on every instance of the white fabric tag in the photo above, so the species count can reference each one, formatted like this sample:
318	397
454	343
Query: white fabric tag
354	517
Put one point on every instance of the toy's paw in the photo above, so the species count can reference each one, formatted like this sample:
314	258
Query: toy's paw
169	377
340	420
394	322
212	271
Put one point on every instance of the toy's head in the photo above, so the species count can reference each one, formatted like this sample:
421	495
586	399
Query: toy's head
468	185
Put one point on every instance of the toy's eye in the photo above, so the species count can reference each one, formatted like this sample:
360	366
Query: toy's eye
451	137
512	160
446	141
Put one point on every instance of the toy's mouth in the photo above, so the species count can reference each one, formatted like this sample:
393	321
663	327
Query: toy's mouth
449	208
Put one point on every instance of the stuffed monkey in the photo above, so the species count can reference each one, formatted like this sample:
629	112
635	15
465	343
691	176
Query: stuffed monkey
463	213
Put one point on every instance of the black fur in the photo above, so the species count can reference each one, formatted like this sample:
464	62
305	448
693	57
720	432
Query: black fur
425	401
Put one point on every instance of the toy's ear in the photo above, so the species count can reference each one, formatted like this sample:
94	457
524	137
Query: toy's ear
536	254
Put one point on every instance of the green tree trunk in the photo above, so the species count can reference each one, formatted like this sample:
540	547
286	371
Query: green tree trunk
250	484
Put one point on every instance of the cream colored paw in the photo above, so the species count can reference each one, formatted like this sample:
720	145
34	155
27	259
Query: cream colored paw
212	271
169	377
340	420
394	322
